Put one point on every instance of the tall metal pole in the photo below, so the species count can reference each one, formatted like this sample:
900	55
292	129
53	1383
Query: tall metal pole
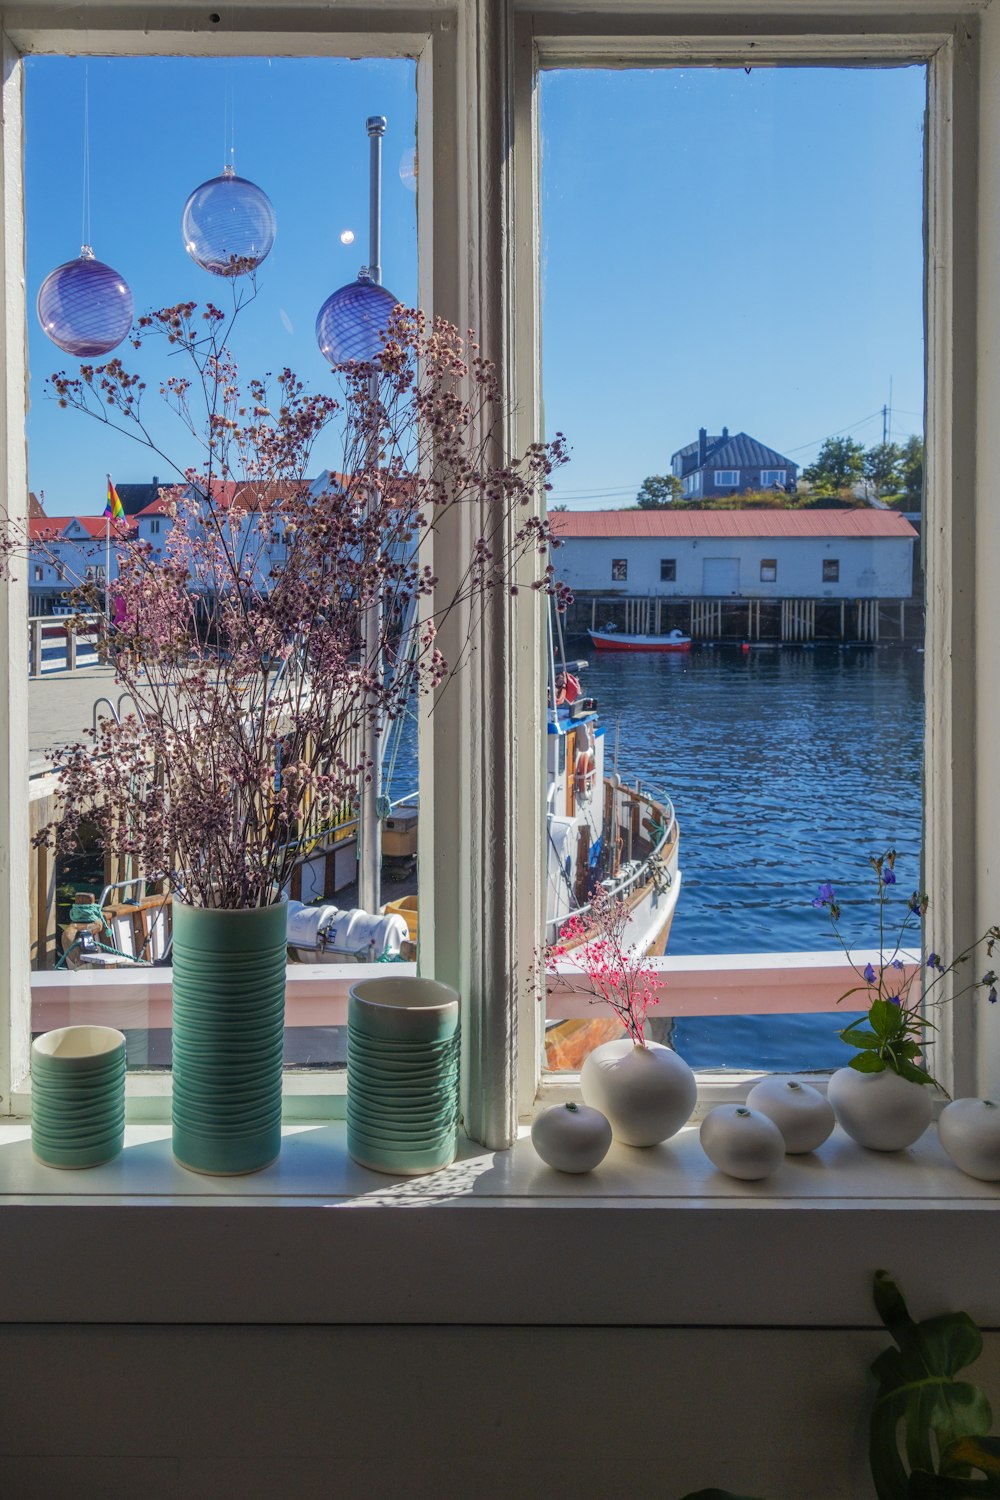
370	831
107	559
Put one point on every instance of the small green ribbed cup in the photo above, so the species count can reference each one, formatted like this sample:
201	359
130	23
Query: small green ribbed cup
78	1096
228	1038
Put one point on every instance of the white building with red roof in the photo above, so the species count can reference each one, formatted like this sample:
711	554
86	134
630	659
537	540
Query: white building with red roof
736	554
69	550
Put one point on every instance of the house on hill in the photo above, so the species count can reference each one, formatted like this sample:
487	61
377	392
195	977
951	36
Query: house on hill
728	464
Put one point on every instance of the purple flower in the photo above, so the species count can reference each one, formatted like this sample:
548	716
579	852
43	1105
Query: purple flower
933	961
917	903
888	876
992	996
893	999
824	895
869	974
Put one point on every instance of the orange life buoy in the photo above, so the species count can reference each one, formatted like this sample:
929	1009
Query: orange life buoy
585	770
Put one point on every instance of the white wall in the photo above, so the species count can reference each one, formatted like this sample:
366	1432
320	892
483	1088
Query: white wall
439	1413
870	568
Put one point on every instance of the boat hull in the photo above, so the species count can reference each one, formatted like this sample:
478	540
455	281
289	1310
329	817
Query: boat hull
660	643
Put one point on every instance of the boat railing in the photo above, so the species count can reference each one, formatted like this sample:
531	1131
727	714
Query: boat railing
637	872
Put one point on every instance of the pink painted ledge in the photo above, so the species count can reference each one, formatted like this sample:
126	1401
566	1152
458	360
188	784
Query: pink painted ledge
716	985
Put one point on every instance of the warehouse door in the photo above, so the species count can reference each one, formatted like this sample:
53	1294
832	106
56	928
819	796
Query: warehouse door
720	575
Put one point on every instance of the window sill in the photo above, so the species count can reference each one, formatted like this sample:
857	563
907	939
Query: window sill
142	1240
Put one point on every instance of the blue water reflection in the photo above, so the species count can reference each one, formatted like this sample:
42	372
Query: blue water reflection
787	766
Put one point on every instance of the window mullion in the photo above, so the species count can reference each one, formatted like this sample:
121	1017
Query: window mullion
15	992
473	841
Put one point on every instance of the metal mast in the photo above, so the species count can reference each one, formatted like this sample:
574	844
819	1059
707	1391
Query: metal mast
370	831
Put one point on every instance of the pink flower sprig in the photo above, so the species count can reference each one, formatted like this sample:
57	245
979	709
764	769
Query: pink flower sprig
617	972
245	640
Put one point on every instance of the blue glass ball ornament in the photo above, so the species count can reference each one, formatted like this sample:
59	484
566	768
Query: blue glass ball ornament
228	225
351	323
85	307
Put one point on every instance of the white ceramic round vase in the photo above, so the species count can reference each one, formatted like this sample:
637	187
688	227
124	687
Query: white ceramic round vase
802	1114
970	1133
647	1093
571	1137
880	1110
742	1142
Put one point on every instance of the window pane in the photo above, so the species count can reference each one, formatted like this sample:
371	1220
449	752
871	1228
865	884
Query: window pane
750	401
297	128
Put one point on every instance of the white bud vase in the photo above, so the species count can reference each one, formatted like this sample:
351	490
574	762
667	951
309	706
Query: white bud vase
647	1092
880	1110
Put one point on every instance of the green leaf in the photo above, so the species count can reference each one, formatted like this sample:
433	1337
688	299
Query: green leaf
912	1072
859	1036
715	1495
887	1019
918	1392
868	1062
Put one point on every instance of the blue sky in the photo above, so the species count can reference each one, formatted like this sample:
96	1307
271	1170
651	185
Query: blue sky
157	130
727	249
719	248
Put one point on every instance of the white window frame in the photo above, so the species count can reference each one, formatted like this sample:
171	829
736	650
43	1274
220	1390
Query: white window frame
772	476
962	534
727	478
477	210
834	563
769	570
619	570
154	525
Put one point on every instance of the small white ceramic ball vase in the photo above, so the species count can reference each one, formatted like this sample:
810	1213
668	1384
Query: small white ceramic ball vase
742	1142
970	1133
647	1092
802	1114
571	1137
880	1110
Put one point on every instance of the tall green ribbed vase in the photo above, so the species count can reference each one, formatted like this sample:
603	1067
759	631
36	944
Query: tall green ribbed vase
228	1036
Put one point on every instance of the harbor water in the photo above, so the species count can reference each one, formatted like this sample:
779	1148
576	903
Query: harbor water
787	766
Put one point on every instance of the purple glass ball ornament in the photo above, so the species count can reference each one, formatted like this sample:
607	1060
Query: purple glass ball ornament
351	323
85	307
228	225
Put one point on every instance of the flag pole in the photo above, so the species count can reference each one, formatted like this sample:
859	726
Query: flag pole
107	556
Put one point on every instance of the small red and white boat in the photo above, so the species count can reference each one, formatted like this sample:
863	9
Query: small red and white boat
610	639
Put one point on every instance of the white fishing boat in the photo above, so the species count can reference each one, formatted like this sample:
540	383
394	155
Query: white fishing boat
602	831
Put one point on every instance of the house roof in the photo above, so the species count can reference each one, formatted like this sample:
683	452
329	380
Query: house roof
730	523
135	497
250	494
737	451
39	526
95	525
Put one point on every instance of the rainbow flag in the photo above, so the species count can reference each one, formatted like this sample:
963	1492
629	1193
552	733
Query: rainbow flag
114	508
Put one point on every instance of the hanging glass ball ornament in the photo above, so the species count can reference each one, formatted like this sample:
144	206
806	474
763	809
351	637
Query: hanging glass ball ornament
85	307
228	225
352	322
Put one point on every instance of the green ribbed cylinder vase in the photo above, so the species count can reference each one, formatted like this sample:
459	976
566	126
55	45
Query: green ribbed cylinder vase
228	1036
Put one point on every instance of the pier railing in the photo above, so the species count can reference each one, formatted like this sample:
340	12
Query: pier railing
62	643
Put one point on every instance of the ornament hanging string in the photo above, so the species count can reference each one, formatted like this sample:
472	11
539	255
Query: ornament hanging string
85	210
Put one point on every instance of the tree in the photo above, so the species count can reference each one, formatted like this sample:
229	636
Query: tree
912	466
658	491
839	465
882	469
